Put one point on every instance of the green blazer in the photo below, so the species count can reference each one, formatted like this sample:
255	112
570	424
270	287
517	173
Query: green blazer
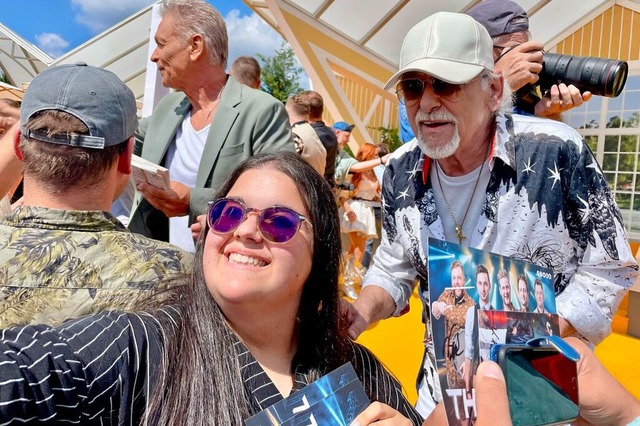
246	122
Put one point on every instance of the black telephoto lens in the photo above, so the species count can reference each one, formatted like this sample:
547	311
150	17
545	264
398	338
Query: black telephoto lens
600	76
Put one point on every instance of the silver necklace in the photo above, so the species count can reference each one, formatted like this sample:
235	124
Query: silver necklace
458	226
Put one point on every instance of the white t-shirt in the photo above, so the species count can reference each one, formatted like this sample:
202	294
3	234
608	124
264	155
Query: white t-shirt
183	161
460	195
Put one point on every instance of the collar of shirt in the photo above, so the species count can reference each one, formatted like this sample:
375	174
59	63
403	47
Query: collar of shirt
498	145
73	220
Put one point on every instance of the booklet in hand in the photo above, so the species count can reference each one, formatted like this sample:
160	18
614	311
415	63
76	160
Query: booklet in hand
334	399
150	173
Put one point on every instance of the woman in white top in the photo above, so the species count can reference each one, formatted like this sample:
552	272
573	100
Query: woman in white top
366	191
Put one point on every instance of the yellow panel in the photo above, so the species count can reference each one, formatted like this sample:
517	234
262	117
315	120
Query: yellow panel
356	87
634	42
397	342
586	32
596	38
575	41
606	33
609	35
625	34
614	51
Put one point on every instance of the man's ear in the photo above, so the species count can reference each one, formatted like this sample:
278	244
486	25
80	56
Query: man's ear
124	160
497	92
16	142
197	46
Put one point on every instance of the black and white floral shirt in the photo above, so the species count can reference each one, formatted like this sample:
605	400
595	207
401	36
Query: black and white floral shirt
547	202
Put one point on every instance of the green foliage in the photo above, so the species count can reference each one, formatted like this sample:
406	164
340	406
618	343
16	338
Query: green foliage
390	136
280	73
348	150
3	78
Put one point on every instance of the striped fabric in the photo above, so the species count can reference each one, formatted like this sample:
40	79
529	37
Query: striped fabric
95	369
381	385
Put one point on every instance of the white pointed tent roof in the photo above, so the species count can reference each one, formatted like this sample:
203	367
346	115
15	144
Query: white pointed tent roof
122	49
20	61
378	27
360	37
349	48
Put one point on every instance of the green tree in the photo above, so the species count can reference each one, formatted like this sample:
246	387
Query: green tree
3	78
280	73
390	136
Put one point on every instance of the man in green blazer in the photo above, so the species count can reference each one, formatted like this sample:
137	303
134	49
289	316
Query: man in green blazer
202	132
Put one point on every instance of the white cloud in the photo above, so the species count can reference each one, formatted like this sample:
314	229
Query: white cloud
250	34
99	15
52	44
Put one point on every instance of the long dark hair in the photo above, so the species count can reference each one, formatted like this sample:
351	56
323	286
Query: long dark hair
200	380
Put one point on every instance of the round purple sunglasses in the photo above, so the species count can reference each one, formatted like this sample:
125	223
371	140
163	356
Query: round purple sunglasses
276	224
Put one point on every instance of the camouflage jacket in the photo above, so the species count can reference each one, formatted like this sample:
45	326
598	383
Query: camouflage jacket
61	264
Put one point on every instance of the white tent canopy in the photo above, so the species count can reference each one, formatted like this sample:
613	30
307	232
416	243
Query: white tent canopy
20	61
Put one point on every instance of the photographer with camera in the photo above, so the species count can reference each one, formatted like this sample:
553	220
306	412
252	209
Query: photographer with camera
520	60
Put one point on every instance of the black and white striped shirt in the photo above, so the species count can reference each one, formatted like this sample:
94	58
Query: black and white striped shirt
96	370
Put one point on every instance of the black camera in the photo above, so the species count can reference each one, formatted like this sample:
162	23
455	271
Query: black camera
600	76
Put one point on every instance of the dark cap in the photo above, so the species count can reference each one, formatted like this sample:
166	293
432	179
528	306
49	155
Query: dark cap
94	96
342	125
500	16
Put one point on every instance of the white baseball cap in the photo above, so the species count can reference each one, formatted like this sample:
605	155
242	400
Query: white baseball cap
452	47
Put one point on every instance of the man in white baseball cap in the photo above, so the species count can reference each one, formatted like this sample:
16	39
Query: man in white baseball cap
513	185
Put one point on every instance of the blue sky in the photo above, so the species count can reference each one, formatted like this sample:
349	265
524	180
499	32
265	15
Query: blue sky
57	26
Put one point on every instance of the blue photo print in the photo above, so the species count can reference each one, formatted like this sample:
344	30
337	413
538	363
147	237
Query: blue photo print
462	282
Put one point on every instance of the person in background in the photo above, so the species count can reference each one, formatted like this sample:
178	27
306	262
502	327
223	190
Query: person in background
504	288
257	321
471	350
520	60
372	243
203	130
63	255
325	133
509	184
306	139
538	289
453	304
523	293
406	133
246	70
345	163
366	191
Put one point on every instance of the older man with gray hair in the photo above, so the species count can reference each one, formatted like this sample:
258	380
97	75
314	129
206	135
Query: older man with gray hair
513	185
203	130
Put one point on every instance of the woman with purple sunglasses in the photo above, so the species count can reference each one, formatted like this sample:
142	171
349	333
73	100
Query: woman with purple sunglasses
257	320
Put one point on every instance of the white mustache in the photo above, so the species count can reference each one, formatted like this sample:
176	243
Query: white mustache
434	116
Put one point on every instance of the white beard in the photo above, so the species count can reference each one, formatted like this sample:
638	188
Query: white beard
442	151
